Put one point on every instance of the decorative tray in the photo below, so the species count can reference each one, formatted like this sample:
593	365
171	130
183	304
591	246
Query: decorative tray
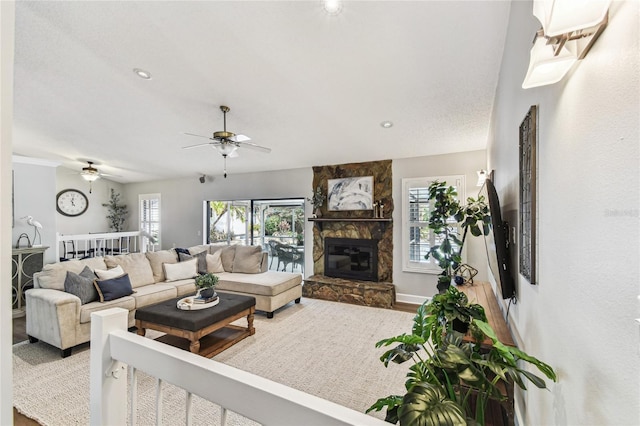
189	304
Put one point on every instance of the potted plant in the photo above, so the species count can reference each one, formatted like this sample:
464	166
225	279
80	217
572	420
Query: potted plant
473	216
451	311
206	285
452	381
317	200
117	212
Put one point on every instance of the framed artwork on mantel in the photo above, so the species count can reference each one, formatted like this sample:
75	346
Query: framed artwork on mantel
528	141
353	193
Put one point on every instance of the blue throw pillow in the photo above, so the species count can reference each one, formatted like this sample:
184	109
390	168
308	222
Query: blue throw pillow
114	288
81	285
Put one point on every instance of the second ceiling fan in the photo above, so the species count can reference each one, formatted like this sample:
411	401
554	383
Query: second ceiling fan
227	143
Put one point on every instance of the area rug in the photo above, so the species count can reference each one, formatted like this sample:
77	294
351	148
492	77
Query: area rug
323	348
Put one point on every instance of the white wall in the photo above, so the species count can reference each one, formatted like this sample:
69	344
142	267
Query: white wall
95	218
34	195
580	318
410	284
7	26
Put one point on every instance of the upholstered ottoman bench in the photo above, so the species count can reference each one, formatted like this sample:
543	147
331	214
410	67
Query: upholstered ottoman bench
208	330
272	289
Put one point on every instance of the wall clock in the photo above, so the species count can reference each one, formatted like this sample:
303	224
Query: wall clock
71	202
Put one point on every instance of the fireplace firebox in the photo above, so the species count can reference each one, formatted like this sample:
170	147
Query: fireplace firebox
352	258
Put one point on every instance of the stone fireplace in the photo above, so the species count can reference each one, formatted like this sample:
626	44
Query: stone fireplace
376	289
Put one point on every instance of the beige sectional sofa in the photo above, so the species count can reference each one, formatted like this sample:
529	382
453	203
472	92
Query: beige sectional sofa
60	319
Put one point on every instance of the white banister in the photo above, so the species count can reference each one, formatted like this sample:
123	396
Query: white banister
251	396
99	244
108	387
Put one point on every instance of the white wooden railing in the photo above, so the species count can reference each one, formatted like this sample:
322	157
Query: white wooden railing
251	396
89	245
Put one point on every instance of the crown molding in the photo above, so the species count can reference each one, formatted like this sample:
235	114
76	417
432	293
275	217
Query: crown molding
34	161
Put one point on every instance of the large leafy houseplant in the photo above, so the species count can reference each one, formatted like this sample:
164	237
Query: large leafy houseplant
474	217
451	381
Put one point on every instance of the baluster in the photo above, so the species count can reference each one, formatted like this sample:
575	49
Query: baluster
189	402
223	416
159	402
133	396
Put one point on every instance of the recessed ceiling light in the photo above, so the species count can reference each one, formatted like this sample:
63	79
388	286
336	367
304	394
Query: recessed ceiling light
386	124
332	7
142	73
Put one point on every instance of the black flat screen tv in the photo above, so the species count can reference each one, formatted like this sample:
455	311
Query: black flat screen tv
497	243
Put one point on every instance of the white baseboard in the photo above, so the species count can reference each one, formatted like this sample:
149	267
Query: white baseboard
411	298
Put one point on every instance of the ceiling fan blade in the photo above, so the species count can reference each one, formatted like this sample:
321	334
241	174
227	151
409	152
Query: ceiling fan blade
198	136
254	147
234	154
239	138
197	145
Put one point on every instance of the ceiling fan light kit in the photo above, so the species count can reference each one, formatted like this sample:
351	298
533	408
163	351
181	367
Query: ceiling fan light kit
227	143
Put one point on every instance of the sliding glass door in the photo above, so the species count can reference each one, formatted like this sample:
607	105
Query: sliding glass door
273	223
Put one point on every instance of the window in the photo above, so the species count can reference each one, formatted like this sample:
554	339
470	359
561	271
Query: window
228	222
150	218
417	238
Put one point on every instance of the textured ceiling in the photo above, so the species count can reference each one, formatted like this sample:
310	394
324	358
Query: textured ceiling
312	87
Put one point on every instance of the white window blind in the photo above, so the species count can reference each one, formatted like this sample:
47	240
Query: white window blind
417	238
150	218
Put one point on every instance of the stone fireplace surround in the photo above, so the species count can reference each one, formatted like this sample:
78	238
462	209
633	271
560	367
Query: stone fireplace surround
355	224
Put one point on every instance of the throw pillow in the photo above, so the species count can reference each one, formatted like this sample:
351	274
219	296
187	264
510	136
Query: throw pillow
248	259
228	253
214	263
157	258
202	260
114	288
136	265
81	285
181	271
109	273
181	250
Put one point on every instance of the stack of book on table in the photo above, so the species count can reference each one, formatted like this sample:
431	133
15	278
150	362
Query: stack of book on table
201	299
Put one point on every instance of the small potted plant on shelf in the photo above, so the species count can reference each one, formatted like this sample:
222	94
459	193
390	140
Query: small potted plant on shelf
317	200
206	285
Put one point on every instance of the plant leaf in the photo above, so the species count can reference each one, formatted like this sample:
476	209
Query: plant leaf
422	323
546	369
427	404
391	403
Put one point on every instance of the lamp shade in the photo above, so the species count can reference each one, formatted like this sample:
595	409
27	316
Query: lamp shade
226	148
90	177
544	67
564	16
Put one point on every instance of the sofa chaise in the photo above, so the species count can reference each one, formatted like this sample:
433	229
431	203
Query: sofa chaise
63	318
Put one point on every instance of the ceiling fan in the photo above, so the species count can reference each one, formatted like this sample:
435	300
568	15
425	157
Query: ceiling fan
91	174
227	143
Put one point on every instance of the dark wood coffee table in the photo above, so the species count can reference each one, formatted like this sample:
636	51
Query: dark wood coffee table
207	331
